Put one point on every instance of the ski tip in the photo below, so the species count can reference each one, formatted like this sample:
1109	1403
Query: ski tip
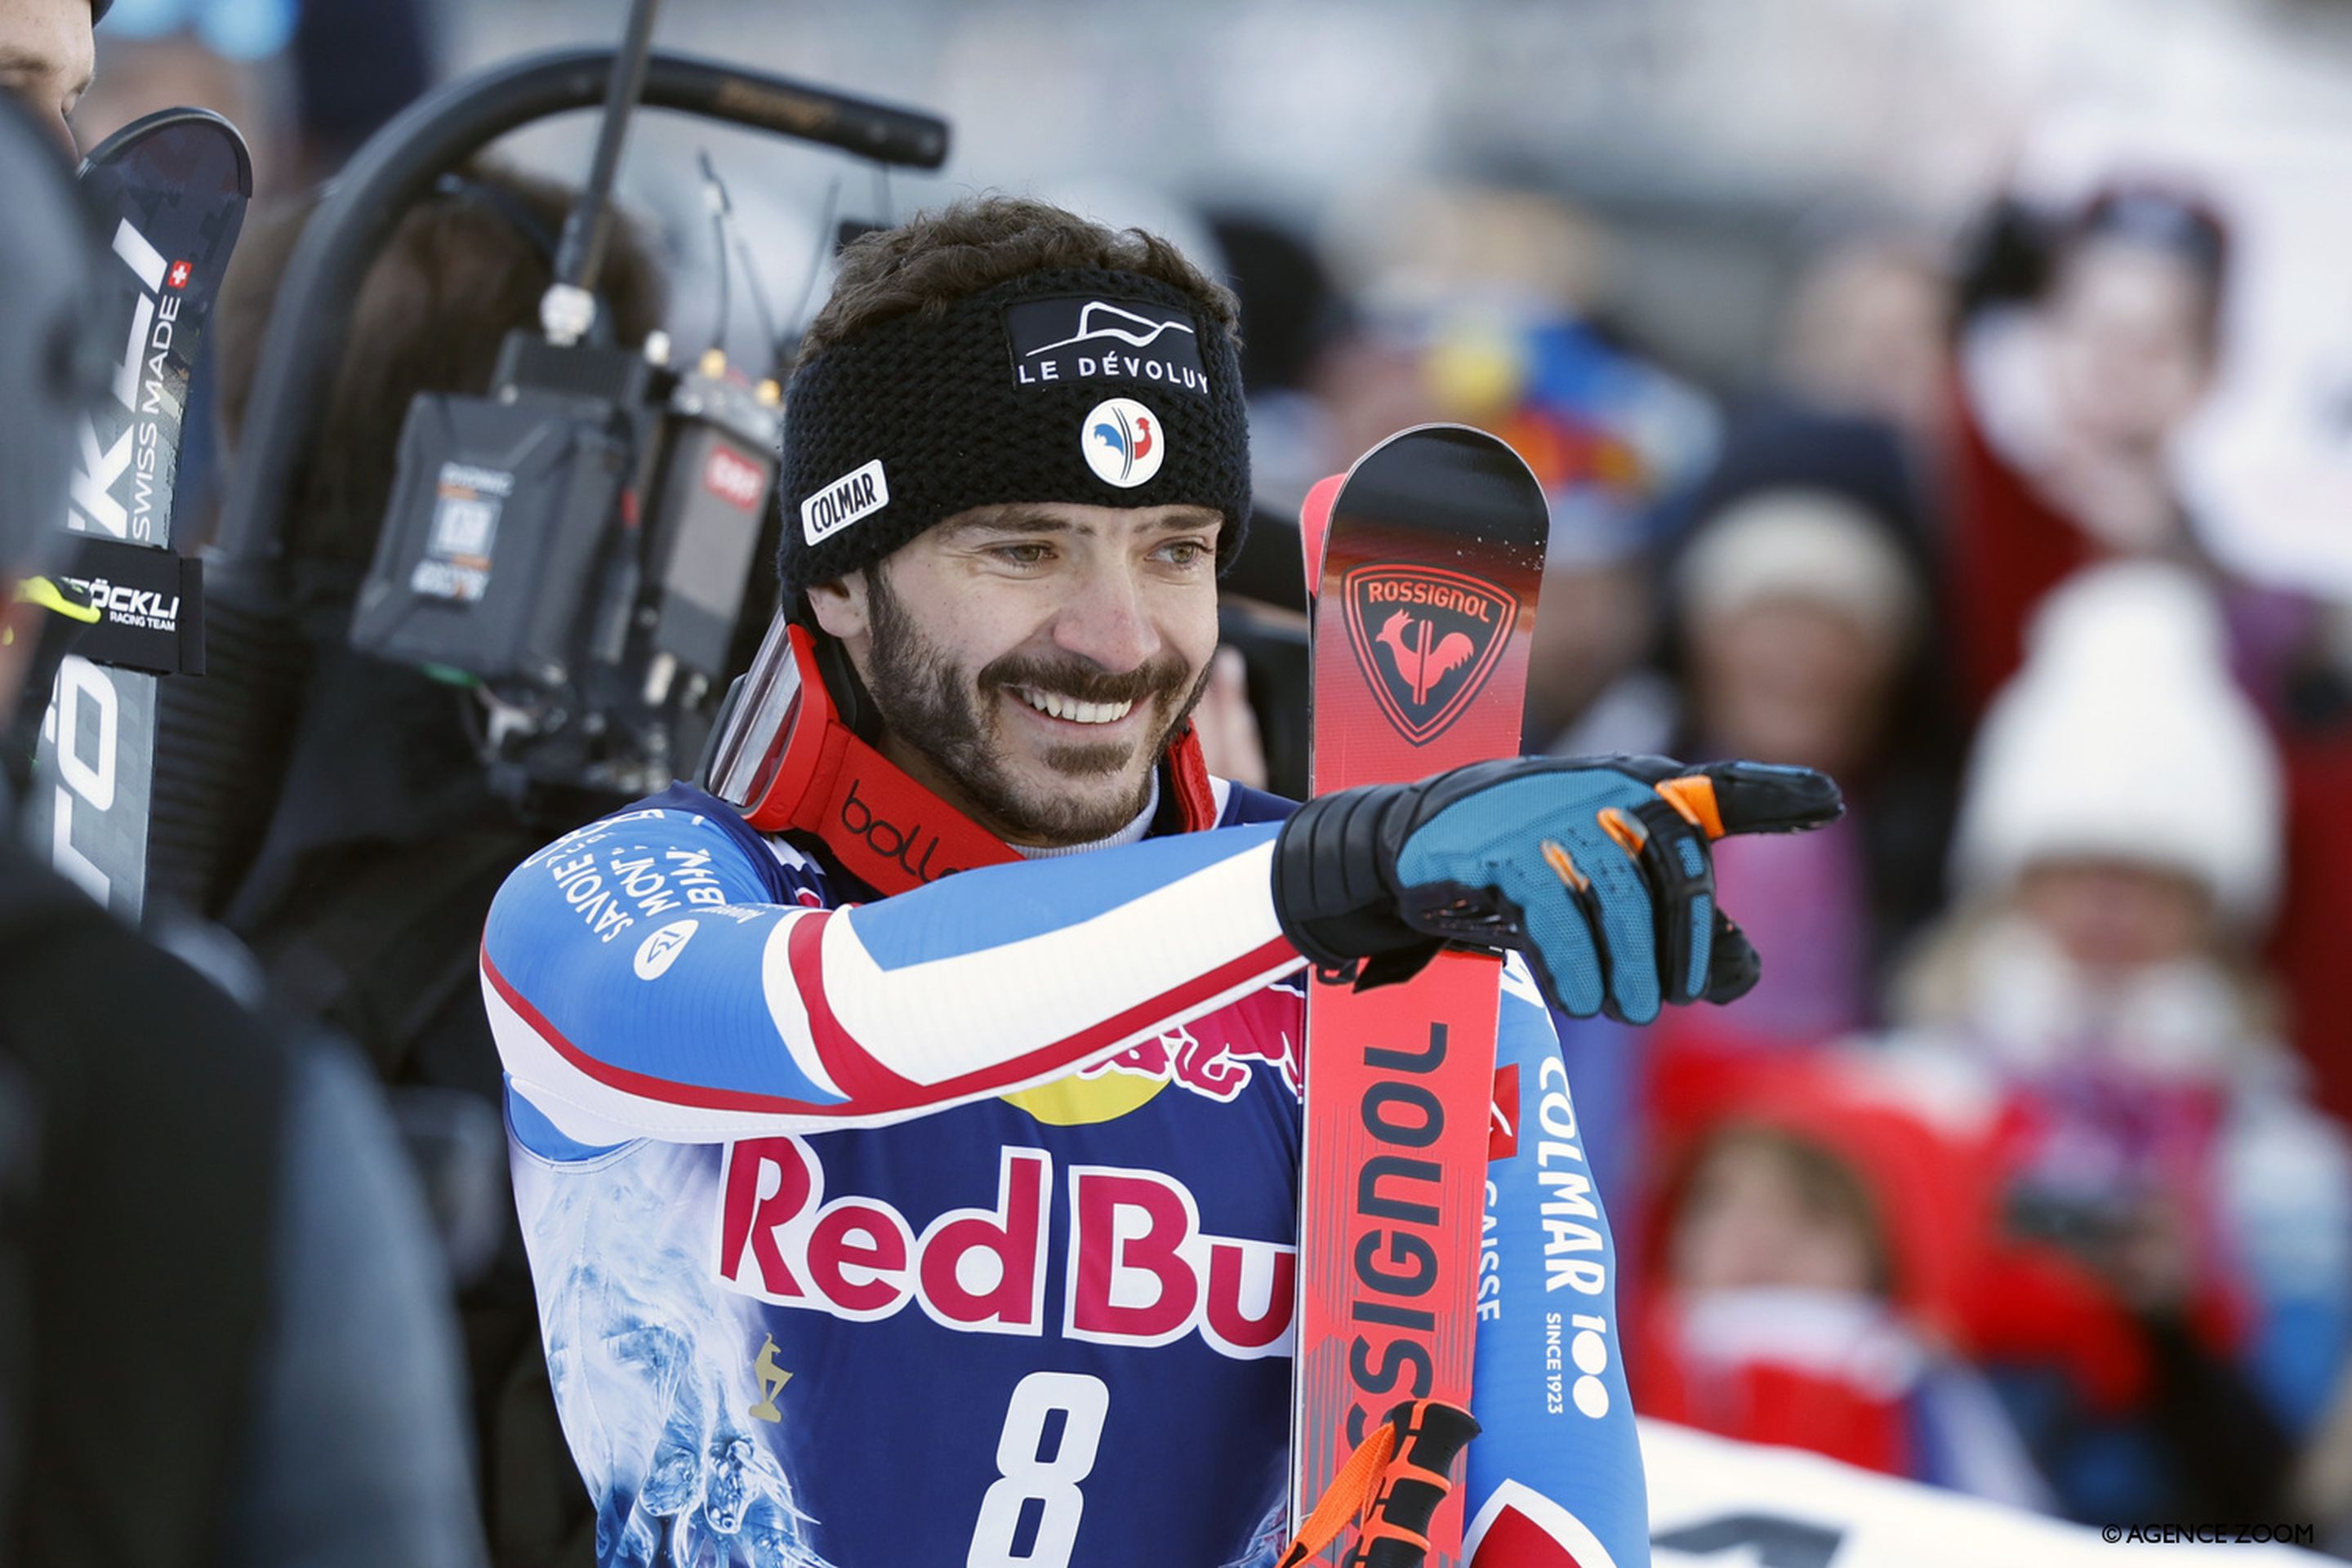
197	145
1315	526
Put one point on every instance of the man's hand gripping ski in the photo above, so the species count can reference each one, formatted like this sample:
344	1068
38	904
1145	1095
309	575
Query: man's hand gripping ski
1599	873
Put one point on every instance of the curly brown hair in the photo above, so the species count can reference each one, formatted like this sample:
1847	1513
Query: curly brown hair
936	258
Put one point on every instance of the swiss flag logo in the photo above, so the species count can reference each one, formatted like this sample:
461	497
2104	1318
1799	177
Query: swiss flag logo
177	277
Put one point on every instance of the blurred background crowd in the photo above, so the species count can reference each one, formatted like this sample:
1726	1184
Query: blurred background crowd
1956	398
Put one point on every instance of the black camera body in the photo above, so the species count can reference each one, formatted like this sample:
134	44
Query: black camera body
582	545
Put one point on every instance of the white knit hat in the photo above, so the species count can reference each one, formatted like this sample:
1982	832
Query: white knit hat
1801	543
2124	737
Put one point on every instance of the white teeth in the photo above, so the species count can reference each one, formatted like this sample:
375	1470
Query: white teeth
1055	705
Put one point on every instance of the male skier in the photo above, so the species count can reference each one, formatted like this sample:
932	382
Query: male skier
883	1216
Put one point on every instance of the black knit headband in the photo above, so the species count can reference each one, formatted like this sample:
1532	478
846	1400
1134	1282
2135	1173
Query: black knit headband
1086	386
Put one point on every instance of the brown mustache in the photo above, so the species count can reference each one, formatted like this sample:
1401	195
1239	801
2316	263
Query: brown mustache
1157	678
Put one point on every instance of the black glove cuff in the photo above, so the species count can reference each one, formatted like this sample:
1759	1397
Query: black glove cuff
1330	895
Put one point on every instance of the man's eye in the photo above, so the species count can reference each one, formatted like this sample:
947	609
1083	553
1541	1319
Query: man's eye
1184	552
1022	554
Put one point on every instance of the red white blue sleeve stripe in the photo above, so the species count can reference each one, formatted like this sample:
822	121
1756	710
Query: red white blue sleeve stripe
643	980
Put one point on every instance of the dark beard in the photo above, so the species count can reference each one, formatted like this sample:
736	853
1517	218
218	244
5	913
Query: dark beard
927	703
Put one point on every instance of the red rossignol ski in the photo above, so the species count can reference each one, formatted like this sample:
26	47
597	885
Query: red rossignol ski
1426	560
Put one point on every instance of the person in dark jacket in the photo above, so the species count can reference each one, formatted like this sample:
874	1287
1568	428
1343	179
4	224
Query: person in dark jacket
366	897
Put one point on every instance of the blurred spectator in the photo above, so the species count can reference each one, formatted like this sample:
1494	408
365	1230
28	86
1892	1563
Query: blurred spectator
1801	630
1866	331
2119	843
1799	612
2072	403
1798	616
366	898
1821	1232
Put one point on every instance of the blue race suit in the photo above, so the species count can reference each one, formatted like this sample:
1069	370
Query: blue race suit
958	1227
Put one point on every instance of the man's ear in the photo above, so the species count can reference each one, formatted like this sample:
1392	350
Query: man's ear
841	608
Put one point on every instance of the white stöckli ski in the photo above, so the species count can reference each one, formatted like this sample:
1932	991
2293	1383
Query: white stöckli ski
170	191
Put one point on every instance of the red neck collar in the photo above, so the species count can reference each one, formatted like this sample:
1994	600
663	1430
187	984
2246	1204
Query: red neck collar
815	775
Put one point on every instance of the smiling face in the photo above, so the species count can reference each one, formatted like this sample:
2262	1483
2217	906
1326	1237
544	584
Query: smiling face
1031	663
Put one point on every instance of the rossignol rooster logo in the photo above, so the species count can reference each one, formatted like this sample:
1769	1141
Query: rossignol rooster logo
1418	664
1427	641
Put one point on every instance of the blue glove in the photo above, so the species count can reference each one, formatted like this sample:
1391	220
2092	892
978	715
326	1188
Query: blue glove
1599	871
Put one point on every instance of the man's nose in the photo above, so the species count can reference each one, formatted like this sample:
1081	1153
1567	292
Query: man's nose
1108	622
